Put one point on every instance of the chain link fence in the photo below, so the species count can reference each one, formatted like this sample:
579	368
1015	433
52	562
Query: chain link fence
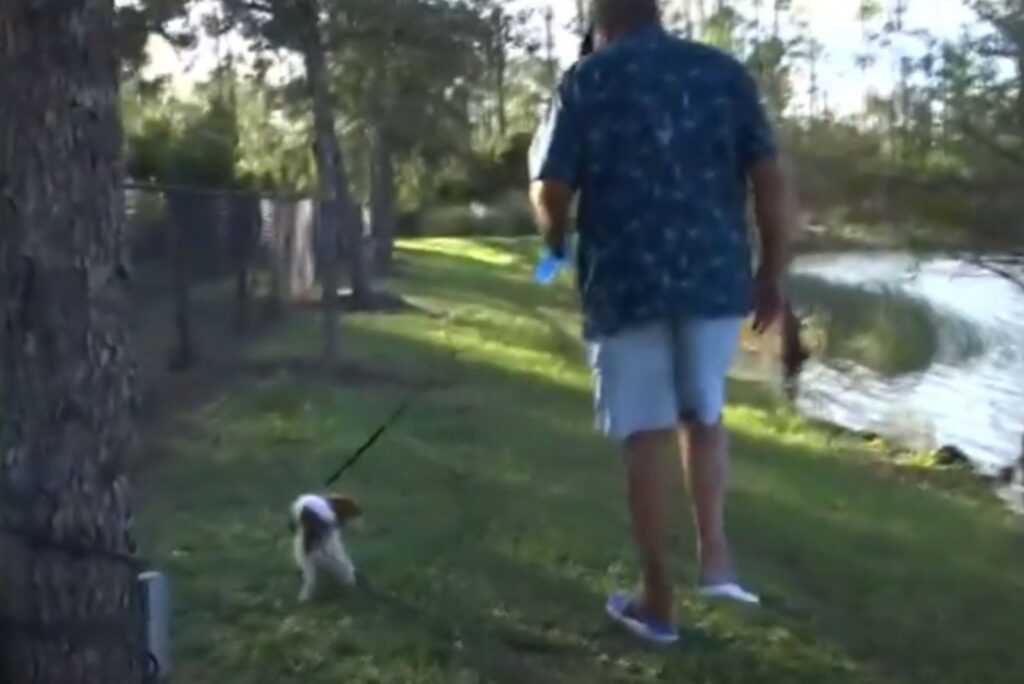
211	270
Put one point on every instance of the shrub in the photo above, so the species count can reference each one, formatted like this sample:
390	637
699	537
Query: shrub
508	216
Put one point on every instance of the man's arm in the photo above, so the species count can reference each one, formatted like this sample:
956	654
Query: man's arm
552	201
554	167
774	202
775	208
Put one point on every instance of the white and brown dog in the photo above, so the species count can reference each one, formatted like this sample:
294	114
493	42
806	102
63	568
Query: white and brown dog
317	523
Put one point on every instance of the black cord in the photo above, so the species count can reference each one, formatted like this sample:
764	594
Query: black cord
85	629
79	629
365	447
358	454
41	542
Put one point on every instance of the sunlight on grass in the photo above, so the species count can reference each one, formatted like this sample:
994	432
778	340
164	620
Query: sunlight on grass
491	337
477	250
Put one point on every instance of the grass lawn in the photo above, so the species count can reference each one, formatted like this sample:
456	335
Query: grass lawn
496	522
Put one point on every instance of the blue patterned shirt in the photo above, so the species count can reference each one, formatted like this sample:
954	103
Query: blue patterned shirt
658	135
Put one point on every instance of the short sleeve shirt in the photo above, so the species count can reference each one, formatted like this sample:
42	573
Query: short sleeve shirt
658	135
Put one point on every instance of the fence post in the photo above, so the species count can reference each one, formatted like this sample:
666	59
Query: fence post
243	226
183	355
283	216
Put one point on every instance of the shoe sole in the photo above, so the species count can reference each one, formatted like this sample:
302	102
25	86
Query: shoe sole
639	630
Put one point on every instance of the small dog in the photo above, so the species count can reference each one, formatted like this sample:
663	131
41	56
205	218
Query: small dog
317	522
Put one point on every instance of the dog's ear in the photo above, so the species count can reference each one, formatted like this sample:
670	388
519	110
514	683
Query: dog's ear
345	508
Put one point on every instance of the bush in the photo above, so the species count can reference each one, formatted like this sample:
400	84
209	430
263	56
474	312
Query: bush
508	216
486	175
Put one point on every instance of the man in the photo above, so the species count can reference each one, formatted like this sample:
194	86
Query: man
661	138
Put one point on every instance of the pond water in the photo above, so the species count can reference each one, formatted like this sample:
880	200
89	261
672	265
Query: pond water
974	402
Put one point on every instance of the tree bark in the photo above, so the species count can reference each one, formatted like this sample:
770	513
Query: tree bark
327	156
355	242
69	601
383	214
1020	86
338	210
499	62
500	78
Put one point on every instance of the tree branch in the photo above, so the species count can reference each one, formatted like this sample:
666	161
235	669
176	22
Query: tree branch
1015	157
1009	268
256	6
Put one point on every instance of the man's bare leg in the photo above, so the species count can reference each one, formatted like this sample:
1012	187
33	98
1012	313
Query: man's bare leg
649	514
705	465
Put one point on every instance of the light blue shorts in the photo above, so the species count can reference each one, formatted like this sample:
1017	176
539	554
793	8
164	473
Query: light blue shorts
657	376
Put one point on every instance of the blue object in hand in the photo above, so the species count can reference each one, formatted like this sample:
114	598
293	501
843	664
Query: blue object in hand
548	268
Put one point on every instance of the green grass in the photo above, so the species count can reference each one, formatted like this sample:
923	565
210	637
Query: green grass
496	523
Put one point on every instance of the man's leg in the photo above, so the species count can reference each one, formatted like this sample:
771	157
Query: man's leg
705	350
705	465
649	516
635	399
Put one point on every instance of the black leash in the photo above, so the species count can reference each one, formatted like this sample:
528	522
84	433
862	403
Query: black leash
365	447
358	454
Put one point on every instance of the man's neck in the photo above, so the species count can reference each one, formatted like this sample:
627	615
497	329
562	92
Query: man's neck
634	30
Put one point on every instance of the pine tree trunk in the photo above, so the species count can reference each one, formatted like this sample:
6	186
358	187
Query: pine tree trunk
383	214
339	212
69	603
326	145
499	63
1020	84
355	242
500	78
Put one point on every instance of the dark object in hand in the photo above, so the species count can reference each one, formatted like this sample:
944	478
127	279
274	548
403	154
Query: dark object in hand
587	44
794	353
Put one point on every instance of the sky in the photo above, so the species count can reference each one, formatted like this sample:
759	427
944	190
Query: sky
833	22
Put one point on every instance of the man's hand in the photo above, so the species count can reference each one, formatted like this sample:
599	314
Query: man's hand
768	301
555	242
